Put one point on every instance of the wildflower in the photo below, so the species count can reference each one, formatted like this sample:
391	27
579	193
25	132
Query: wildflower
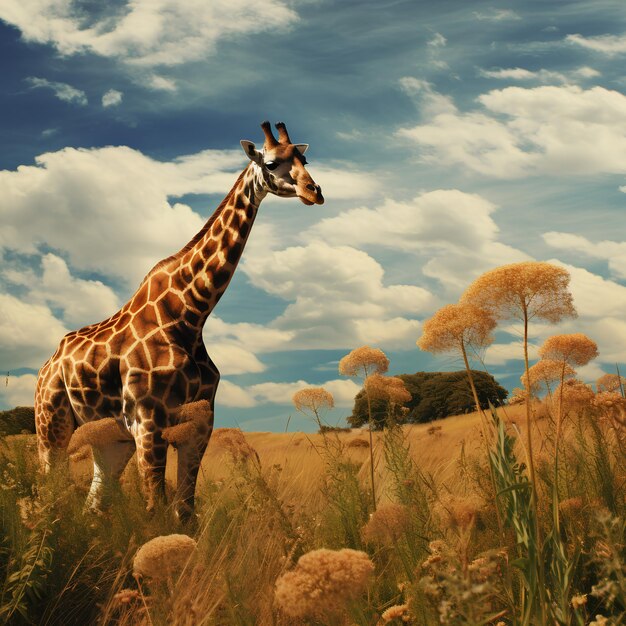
579	601
387	524
388	388
126	596
545	372
610	382
612	405
364	361
523	291
314	399
599	621
571	506
323	583
192	418
162	556
518	396
575	349
97	433
461	512
235	443
577	395
455	327
396	612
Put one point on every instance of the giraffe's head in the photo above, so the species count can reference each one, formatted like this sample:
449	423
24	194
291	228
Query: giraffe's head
282	164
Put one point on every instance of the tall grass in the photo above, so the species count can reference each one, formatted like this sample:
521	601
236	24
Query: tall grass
265	501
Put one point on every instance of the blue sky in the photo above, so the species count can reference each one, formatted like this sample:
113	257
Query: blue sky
449	138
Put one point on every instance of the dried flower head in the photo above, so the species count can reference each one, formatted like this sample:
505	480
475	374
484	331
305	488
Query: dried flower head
577	396
611	405
611	382
364	361
390	389
234	441
126	596
161	557
461	511
387	524
570	507
546	372
192	419
579	601
527	290
313	399
518	396
97	433
456	326
575	349
358	443
399	612
323	583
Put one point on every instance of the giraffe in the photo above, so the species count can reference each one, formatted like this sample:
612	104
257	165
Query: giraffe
145	362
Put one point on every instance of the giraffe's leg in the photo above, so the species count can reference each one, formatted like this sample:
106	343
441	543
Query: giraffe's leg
54	420
151	452
108	464
190	455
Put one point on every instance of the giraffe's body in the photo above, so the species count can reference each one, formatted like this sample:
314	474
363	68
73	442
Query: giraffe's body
148	359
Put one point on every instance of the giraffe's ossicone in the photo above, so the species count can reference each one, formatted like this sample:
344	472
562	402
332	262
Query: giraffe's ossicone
148	360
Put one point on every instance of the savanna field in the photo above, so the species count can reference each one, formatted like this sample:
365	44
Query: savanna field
508	515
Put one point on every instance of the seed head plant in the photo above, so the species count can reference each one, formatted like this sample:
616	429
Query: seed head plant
611	382
312	401
162	557
323	583
387	524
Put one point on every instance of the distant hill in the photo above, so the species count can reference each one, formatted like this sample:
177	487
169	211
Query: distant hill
19	420
434	395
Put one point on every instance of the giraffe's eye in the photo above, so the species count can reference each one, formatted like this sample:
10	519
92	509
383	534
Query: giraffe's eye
271	165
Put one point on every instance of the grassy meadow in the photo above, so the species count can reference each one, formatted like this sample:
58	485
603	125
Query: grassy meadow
438	548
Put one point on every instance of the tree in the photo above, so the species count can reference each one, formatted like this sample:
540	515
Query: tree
457	328
433	395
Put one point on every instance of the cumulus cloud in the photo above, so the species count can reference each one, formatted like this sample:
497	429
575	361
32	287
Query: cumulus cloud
520	131
614	252
29	333
496	15
501	353
112	98
20	390
610	45
107	209
62	91
145	33
337	296
542	75
343	392
454	229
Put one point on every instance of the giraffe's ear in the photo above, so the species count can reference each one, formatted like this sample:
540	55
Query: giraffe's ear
250	149
302	147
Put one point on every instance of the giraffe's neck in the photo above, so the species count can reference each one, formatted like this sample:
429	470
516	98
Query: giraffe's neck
202	270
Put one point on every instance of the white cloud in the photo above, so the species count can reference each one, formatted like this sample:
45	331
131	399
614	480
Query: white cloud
161	83
231	395
254	337
437	41
548	129
454	229
607	44
590	373
107	209
112	98
612	251
62	91
231	359
501	353
336	295
29	333
20	390
340	181
542	75
147	32
431	101
496	15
